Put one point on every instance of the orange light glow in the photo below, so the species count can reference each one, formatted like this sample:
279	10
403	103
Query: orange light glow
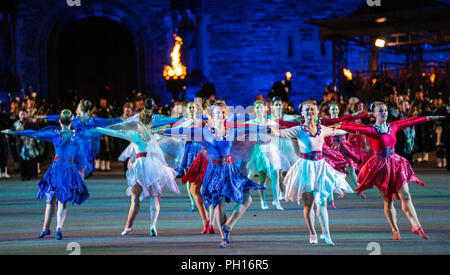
432	78
374	80
177	70
348	74
288	76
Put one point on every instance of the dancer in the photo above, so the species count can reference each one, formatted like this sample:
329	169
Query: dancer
340	143
266	160
222	179
149	173
387	170
191	148
89	147
311	178
286	146
62	182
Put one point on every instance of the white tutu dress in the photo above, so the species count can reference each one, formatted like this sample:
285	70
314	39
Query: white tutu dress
148	167
311	172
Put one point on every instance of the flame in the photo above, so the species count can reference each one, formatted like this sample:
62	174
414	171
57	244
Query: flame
348	74
432	77
288	76
177	70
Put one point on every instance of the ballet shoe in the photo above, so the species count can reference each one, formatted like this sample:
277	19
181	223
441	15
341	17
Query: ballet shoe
327	239
223	244
278	206
322	236
313	239
419	230
153	232
362	195
58	235
44	233
205	228
226	233
211	229
396	235
264	205
127	230
193	208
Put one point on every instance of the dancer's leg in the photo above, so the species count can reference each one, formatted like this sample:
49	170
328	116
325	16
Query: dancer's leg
407	205
308	200
239	210
353	179
323	219
262	192
154	209
191	197
61	214
195	192
136	191
390	213
219	214
49	213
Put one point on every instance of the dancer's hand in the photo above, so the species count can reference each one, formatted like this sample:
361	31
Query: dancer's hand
7	131
435	117
357	113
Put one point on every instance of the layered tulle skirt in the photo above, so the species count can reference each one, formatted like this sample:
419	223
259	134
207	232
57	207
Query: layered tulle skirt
316	176
153	175
224	181
63	182
266	159
388	174
191	150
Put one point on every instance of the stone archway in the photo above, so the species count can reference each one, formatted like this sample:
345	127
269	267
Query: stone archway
63	16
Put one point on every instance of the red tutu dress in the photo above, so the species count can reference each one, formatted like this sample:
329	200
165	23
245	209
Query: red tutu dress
339	143
385	169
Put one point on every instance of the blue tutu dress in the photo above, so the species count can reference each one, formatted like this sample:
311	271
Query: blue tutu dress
89	146
222	179
62	179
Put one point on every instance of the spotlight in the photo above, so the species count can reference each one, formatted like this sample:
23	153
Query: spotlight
380	42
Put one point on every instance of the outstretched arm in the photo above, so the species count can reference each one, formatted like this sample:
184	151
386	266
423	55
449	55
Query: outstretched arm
128	135
347	117
356	128
45	135
290	133
406	122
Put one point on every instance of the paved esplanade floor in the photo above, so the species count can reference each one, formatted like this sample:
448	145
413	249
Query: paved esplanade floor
97	224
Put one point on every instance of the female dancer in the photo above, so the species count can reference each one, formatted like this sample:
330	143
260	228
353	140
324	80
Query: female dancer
266	160
222	179
89	147
191	148
62	181
286	146
148	174
340	143
311	178
387	170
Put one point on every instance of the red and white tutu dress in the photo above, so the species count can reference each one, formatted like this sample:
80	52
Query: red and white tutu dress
311	172
385	169
333	157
